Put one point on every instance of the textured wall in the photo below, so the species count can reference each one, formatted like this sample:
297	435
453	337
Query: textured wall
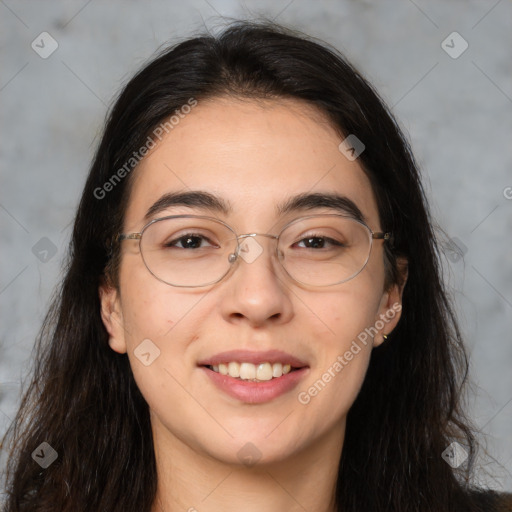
454	102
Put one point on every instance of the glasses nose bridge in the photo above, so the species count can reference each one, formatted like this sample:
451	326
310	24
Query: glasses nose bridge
246	235
241	238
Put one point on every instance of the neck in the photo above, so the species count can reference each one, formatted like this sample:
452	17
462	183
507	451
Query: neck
196	482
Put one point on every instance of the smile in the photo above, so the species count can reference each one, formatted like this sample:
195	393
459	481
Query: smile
253	372
254	377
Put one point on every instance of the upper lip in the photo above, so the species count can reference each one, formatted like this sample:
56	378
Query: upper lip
247	356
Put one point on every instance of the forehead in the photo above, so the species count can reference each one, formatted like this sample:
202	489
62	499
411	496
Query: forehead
252	154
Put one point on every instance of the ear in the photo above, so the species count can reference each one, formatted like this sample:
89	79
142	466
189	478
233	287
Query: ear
390	309
112	317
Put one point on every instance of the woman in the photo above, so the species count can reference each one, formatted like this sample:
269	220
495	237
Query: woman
252	316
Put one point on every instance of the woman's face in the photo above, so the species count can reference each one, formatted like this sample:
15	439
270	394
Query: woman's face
253	157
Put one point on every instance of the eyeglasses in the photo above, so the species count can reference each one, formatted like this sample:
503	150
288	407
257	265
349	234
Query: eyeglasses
194	250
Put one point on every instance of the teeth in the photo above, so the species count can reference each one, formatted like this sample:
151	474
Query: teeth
277	370
264	371
249	371
234	369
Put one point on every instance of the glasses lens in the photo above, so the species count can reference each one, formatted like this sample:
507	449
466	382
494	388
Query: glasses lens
324	250
188	251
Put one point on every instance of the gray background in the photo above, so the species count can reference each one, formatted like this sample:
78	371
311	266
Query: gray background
457	112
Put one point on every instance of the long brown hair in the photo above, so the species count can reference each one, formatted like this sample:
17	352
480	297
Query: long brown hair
83	400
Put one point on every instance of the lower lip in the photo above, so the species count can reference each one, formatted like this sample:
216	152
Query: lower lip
256	392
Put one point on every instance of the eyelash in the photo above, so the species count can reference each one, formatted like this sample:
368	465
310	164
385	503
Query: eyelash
175	241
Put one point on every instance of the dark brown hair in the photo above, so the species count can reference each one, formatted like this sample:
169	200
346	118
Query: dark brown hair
83	399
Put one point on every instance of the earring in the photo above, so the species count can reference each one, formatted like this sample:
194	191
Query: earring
385	337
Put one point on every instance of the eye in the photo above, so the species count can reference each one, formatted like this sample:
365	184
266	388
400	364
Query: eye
318	242
190	241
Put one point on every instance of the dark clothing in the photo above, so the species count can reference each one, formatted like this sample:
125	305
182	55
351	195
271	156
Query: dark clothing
491	501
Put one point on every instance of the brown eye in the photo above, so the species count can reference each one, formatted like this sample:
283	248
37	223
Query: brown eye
318	242
189	241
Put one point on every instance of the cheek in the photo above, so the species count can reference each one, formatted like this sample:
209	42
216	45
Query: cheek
158	327
343	348
352	316
347	310
151	309
162	326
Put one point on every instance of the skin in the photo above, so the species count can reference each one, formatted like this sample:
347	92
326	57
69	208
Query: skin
255	155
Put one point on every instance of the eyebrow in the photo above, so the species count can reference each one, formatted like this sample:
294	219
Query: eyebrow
193	199
207	201
329	200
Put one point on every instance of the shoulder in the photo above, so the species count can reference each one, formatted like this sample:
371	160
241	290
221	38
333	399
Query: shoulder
504	502
492	501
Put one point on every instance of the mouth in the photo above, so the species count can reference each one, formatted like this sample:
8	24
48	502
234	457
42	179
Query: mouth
261	372
254	366
254	377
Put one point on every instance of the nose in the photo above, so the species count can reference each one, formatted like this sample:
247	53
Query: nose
256	291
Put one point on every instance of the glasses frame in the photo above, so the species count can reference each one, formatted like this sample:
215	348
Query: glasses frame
373	235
